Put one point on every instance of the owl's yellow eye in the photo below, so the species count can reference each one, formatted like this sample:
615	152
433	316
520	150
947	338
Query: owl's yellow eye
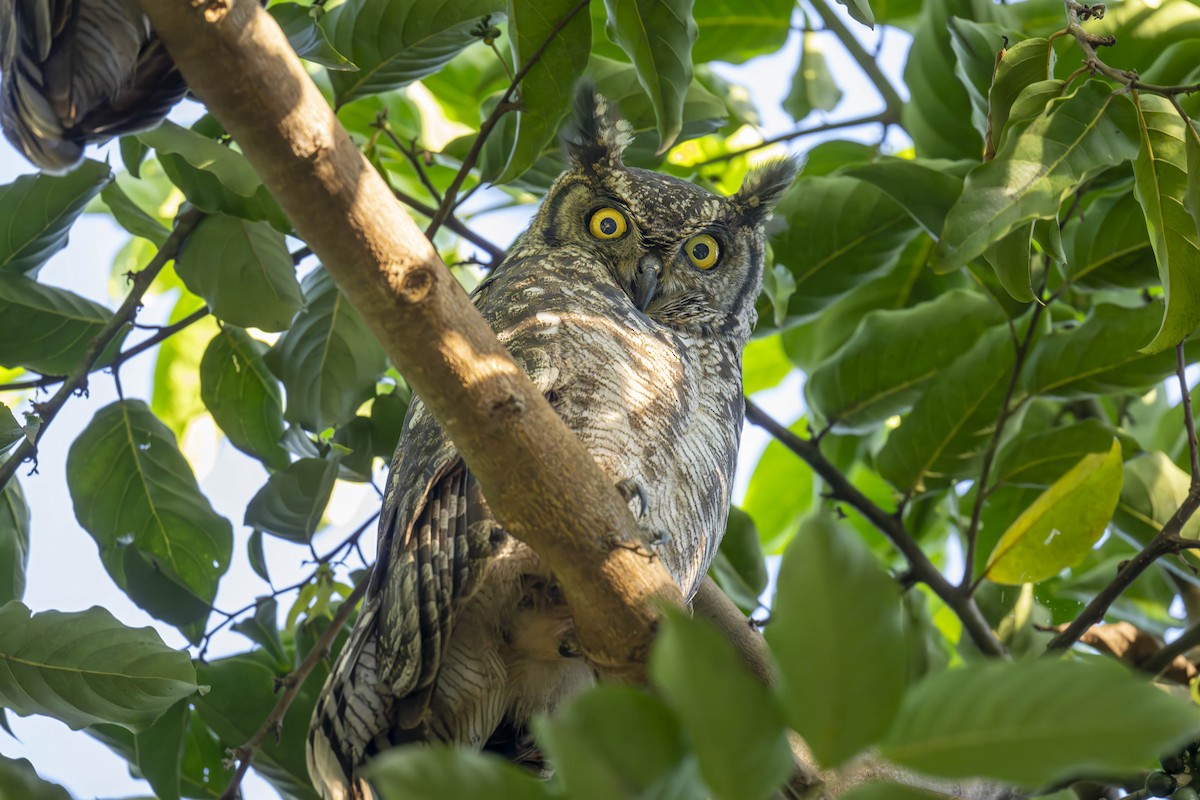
608	223
702	251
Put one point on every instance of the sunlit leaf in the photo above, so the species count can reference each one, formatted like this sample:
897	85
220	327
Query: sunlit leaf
1031	722
827	677
1036	167
1023	64
175	398
86	667
781	492
1151	493
1062	524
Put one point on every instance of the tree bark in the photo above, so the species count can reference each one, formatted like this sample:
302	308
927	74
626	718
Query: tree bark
540	482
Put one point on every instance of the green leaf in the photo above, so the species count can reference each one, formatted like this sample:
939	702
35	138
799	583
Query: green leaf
1151	493
1033	722
130	216
395	42
926	188
739	568
86	667
589	741
135	493
1109	247
1161	186
213	177
860	11
976	47
658	35
39	210
1100	356
307	38
1058	530
888	791
547	89
950	424
47	329
175	397
242	695
14	541
18	779
328	360
813	86
243	396
837	234
1041	458
827	677
938	114
780	492
737	30
133	153
11	432
1023	64
735	727
256	556
1036	167
884	366
435	773
243	270
764	364
262	628
159	750
1009	257
1191	144
291	503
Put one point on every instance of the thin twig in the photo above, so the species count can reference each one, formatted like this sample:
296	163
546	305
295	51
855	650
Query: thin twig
1164	657
889	525
989	455
871	119
410	154
452	223
1189	422
78	378
505	105
1088	44
1167	540
292	683
891	97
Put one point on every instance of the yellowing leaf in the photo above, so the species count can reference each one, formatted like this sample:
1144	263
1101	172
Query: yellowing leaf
1061	526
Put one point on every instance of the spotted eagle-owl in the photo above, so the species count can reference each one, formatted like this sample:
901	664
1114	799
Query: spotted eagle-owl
627	301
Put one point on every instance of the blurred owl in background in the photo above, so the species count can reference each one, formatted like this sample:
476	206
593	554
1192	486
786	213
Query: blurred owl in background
627	301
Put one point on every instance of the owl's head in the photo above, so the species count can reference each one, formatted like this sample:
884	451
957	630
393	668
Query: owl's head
686	257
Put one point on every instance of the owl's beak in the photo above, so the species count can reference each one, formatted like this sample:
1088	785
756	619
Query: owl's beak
645	282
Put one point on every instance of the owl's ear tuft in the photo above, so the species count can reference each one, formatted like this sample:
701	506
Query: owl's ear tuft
598	135
763	187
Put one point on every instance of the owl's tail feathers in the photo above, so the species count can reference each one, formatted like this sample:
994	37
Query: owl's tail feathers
76	73
327	774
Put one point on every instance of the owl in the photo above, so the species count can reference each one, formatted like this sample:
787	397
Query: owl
627	301
79	71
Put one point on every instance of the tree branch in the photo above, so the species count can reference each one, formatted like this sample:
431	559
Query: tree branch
891	97
1165	542
292	683
517	447
1077	14
78	378
889	525
870	119
503	107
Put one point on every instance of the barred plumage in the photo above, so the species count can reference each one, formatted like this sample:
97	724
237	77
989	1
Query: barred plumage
464	635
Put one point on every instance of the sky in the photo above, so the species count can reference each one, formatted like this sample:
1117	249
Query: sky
64	568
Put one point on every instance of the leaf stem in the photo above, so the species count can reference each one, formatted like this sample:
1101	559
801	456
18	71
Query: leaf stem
889	525
292	683
893	103
1165	542
78	378
505	105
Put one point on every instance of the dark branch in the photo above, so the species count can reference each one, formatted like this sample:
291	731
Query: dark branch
889	525
891	97
78	378
871	119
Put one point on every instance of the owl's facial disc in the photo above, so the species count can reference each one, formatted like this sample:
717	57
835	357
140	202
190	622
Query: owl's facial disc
645	280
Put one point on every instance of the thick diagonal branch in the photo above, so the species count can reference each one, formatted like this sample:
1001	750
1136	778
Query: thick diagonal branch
540	482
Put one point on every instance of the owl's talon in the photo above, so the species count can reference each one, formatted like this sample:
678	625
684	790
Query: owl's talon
657	538
629	489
